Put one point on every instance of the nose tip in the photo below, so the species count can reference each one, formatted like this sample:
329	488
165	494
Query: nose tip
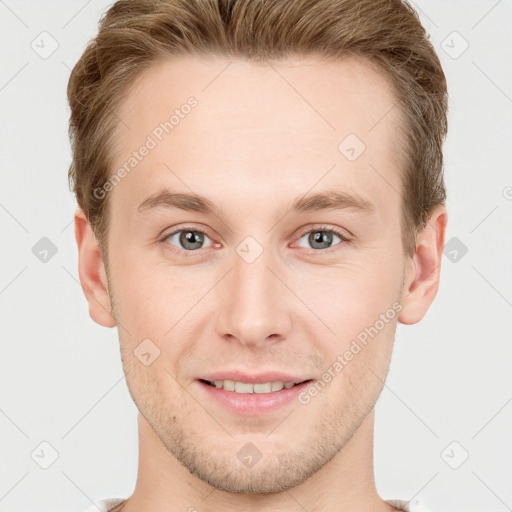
252	339
251	308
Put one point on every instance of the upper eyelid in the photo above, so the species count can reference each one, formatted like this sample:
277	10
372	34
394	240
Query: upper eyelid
301	233
188	227
336	231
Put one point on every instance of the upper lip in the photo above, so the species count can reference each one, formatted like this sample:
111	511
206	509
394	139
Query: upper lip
259	378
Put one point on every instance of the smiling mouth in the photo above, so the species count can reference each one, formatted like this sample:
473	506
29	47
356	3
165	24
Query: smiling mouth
248	388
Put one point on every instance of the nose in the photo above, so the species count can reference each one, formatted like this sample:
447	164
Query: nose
252	303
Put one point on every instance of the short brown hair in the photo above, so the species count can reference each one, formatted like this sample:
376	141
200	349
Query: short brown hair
134	34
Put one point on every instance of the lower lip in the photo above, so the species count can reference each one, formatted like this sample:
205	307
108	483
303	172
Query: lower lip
252	404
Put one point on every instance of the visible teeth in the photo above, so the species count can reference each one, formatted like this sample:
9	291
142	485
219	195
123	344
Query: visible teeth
229	385
241	387
277	386
245	387
263	388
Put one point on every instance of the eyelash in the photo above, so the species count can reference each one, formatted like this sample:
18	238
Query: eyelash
193	253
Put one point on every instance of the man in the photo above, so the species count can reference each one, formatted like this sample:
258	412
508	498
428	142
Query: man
261	201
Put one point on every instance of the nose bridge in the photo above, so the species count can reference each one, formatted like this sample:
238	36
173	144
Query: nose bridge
251	308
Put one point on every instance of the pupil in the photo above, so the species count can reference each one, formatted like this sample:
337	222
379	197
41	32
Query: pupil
191	239
322	237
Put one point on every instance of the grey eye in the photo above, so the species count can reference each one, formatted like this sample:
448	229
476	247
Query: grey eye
189	239
320	239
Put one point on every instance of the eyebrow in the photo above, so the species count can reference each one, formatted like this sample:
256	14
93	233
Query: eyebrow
326	200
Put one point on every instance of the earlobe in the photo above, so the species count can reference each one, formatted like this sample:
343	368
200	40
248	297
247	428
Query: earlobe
92	272
424	269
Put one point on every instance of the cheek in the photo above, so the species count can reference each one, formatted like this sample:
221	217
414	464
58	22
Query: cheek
151	296
353	297
148	294
162	304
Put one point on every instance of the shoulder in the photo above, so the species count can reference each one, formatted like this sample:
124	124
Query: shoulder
408	506
105	505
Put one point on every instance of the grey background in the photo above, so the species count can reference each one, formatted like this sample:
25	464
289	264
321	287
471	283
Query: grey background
449	391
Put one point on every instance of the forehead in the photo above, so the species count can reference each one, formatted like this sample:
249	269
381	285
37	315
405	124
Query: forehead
279	126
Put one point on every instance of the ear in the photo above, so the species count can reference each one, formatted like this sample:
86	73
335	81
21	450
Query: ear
92	272
424	268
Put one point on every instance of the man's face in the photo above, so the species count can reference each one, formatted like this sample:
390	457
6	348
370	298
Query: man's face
267	288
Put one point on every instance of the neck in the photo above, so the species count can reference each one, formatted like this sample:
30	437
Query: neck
345	483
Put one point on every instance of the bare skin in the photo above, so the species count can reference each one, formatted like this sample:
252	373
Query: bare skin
252	145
